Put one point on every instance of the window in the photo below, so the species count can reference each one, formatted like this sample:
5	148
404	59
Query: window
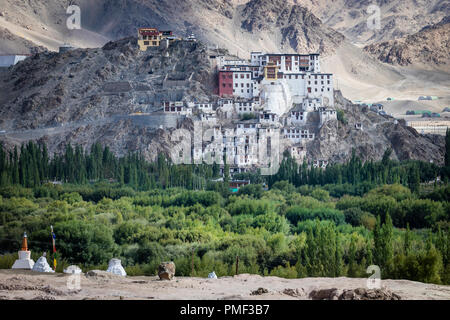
236	76
146	43
236	85
248	76
154	43
242	76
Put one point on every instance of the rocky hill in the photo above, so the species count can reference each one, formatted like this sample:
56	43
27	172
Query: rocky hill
300	30
377	134
428	47
113	95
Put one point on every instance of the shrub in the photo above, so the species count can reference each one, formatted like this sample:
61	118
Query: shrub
296	214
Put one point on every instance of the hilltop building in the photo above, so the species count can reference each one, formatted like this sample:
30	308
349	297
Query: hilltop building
300	73
152	37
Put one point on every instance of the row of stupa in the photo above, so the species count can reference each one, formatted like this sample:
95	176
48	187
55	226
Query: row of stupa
26	263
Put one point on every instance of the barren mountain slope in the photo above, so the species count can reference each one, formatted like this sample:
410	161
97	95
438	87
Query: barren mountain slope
427	48
239	26
43	22
398	17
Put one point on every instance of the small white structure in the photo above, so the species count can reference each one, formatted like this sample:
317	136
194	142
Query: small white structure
212	275
24	261
10	60
42	265
115	267
73	270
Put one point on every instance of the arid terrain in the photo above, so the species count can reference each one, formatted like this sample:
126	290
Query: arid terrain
338	29
105	286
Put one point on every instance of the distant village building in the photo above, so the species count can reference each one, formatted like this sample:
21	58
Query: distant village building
11	59
235	185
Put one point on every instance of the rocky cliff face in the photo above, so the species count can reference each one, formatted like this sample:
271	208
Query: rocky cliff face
299	28
336	140
51	89
428	47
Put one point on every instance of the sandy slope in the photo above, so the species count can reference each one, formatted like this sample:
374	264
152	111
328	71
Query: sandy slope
364	78
31	285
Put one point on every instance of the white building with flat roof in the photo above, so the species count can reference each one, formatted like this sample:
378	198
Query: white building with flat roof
11	60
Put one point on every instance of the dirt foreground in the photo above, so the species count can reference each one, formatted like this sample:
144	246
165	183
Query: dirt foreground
20	285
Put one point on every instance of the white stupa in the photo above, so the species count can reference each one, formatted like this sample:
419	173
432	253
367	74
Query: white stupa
42	265
73	270
115	267
276	97
24	261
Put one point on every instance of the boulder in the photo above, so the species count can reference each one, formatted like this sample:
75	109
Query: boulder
166	270
73	270
353	294
42	265
115	267
101	275
259	292
325	294
369	294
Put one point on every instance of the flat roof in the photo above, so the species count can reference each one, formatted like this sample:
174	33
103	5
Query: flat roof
15	54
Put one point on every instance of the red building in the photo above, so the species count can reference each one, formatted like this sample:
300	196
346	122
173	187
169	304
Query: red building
225	83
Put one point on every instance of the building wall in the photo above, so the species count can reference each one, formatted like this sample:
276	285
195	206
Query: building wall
225	83
243	84
10	60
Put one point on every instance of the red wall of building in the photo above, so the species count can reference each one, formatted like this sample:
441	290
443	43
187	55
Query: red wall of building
225	83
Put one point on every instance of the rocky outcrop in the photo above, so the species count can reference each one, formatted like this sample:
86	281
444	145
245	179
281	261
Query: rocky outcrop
300	29
353	294
166	270
428	47
335	140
